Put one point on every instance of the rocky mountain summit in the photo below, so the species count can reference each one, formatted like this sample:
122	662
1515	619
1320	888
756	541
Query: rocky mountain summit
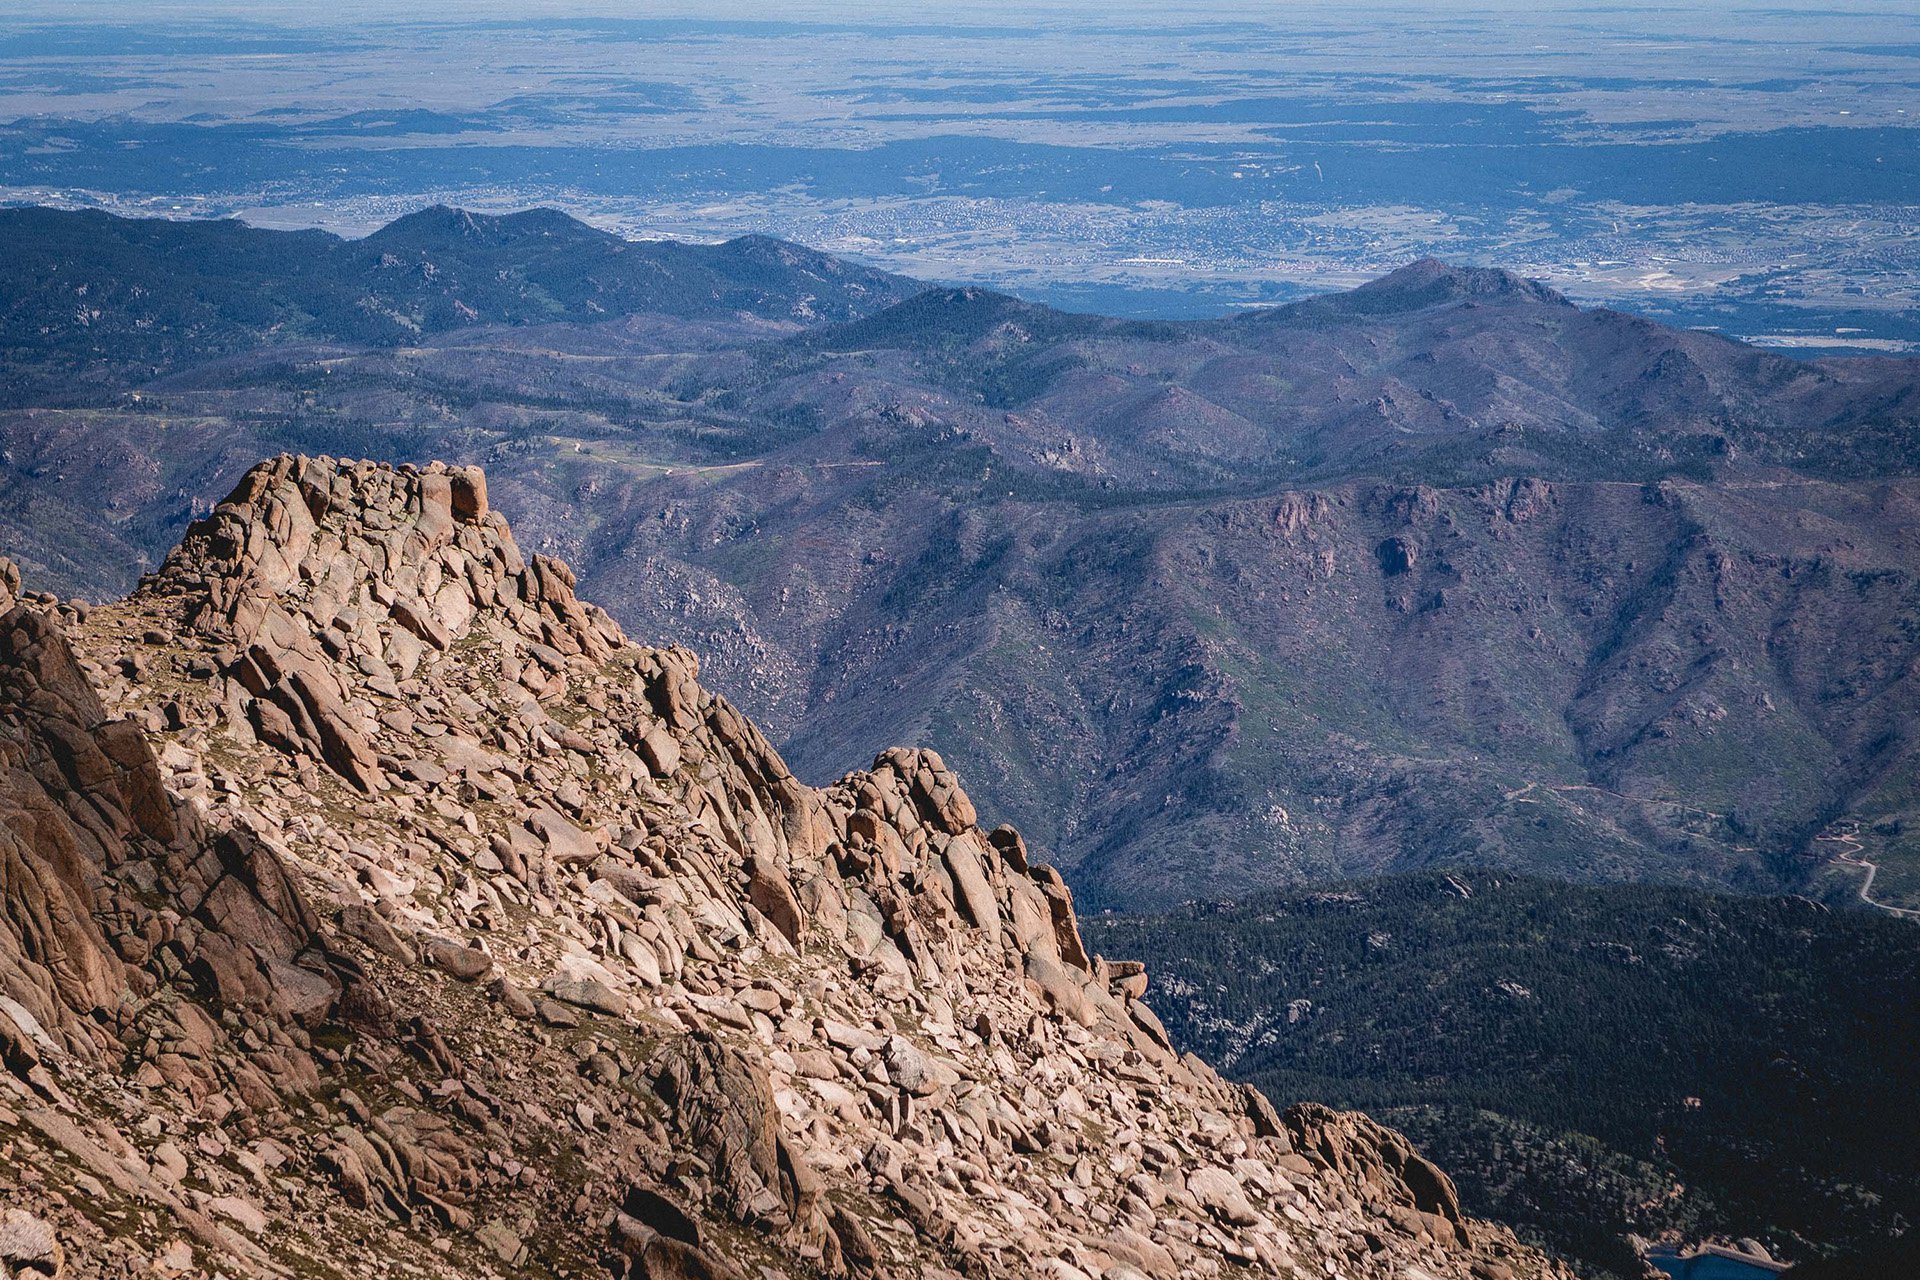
372	906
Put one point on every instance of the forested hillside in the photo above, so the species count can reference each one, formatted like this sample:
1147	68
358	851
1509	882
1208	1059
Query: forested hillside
1587	1061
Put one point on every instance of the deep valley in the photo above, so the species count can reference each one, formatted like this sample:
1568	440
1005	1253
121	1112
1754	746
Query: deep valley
1441	571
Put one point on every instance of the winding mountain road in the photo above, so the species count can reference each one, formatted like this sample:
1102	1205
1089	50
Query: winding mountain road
1850	857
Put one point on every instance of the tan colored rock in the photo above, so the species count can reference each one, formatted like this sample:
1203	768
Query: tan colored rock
468	492
976	894
1066	929
724	1107
341	745
587	993
567	844
1221	1193
772	896
467	963
658	748
940	1082
9	584
29	1246
913	1069
417	618
1061	989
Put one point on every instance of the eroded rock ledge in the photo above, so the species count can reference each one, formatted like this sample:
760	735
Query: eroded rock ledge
369	905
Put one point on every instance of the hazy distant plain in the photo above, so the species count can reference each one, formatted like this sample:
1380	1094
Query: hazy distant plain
1753	169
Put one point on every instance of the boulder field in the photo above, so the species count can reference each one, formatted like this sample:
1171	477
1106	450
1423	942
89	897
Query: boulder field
371	906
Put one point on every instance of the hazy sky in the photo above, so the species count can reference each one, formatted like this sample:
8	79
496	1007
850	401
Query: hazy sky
1622	13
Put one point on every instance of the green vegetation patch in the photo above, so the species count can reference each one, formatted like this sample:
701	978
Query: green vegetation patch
1586	1060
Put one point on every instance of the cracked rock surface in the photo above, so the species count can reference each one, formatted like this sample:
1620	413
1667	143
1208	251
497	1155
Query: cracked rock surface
371	906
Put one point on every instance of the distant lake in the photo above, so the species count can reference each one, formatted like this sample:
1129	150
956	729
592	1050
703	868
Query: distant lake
1708	1267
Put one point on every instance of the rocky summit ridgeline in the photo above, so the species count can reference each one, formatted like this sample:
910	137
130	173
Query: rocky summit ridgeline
371	906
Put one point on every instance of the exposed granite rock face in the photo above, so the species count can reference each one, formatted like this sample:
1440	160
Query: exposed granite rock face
64	823
590	983
1381	1167
90	840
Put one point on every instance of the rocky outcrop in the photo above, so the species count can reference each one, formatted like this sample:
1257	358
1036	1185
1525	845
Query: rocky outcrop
90	842
1381	1167
589	981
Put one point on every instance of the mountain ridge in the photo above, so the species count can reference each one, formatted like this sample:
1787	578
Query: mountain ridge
139	297
1469	582
389	909
438	224
1428	282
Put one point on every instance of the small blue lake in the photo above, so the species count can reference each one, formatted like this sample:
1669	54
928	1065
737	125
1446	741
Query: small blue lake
1708	1267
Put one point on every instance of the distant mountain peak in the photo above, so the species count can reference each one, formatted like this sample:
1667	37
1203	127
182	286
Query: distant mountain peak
442	223
973	306
1430	282
963	313
189	290
761	243
1419	285
973	298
